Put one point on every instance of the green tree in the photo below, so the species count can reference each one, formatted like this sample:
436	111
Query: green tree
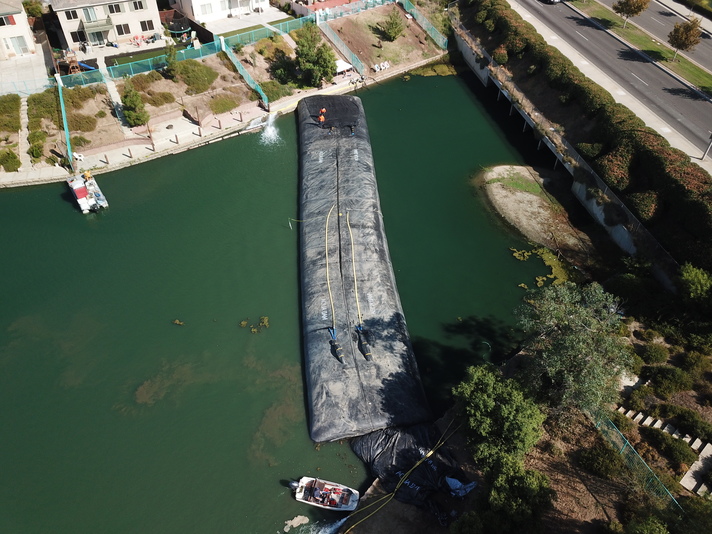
393	26
33	8
171	61
576	349
134	109
314	59
685	35
630	8
498	419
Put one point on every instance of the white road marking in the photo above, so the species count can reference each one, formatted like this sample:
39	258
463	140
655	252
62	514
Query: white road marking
581	35
656	20
639	79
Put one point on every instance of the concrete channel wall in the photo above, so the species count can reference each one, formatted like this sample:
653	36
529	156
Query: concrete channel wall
591	191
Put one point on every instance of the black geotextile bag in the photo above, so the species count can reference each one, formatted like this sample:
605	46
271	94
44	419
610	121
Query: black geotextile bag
390	453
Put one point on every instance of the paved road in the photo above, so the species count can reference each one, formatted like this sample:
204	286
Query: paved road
658	20
674	102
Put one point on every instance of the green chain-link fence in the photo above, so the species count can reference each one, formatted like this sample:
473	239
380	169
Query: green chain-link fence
338	43
246	76
138	67
331	13
82	78
641	471
438	37
253	36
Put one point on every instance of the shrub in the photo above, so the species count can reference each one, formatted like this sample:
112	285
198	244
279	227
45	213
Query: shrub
37	137
10	113
623	423
51	160
157	99
650	334
695	364
76	97
644	204
196	76
676	451
141	82
78	122
500	55
589	150
9	160
654	353
78	141
641	399
100	114
666	381
275	90
36	151
43	105
602	461
223	104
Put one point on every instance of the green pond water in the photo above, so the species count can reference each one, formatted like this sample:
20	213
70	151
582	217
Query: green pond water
115	420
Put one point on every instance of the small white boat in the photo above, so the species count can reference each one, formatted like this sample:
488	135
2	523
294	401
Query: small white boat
87	193
325	494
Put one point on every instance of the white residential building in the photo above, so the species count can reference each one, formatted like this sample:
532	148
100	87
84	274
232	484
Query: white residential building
100	21
16	37
211	10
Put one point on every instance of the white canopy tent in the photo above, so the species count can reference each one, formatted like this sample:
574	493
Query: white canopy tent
342	66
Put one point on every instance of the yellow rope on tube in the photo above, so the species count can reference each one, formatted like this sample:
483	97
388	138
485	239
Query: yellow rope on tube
328	282
353	265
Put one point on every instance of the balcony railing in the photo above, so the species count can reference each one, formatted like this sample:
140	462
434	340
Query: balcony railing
97	25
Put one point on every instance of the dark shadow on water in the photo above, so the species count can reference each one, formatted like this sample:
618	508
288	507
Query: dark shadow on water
489	337
442	366
684	92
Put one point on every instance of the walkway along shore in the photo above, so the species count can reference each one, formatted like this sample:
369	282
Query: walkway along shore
180	134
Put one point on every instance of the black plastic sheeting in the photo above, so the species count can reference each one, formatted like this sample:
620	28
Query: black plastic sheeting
392	452
360	369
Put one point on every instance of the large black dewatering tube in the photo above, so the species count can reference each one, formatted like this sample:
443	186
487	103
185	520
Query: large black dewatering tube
360	369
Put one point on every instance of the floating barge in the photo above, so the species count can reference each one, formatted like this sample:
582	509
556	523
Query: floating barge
361	373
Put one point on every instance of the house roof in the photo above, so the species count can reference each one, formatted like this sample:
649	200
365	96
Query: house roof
10	7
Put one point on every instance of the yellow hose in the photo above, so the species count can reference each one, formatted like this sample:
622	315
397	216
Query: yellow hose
328	282
353	265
